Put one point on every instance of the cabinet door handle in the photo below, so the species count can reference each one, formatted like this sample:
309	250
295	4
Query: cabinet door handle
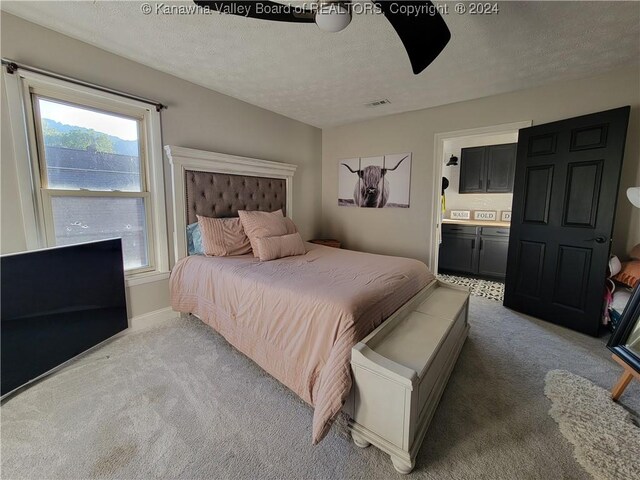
473	244
488	183
480	184
480	245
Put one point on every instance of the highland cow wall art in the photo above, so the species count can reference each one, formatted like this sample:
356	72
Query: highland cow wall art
375	182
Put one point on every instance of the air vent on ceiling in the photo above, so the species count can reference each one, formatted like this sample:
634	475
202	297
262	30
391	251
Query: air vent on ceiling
378	103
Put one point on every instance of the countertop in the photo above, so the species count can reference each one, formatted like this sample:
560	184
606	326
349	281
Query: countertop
480	223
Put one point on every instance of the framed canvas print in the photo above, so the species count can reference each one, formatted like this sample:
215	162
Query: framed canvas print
375	182
348	183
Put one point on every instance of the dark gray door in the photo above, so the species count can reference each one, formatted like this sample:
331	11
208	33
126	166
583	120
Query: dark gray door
501	166
472	170
566	187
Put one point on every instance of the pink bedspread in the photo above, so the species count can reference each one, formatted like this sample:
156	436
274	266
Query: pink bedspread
299	317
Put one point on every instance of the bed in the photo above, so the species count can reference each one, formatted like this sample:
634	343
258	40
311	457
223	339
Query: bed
297	317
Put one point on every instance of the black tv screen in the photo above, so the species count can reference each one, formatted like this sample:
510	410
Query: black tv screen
57	303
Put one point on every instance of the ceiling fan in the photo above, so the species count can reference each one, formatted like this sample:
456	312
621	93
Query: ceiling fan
420	27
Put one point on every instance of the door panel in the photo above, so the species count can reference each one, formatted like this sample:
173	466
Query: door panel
472	170
565	194
583	190
590	137
572	276
544	144
537	194
531	261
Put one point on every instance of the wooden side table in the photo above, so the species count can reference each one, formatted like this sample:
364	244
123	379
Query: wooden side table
625	378
327	242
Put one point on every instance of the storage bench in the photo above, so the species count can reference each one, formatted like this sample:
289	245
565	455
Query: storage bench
401	369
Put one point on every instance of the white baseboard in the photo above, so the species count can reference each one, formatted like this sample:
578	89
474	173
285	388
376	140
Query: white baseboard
151	319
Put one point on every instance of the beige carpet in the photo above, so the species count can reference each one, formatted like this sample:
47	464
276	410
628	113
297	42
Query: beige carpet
179	402
605	438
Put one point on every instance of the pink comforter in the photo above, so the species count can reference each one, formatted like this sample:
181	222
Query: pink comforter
299	317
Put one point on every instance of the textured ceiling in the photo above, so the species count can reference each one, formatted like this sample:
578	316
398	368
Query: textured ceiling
325	79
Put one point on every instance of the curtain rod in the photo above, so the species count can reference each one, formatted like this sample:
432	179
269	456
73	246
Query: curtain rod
12	67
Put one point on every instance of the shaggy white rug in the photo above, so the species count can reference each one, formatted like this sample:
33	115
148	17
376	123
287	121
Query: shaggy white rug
606	441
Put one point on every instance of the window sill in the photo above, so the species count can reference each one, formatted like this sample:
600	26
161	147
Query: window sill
147	277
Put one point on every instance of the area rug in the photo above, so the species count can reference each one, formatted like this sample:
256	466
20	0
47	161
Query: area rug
478	287
605	438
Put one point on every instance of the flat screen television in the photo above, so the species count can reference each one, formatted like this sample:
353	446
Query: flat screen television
57	303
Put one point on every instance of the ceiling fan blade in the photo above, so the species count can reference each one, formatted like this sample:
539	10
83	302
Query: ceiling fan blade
424	36
262	9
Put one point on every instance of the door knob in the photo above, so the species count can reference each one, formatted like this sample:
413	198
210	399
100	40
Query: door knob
597	239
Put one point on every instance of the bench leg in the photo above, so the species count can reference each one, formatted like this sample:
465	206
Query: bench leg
359	441
402	466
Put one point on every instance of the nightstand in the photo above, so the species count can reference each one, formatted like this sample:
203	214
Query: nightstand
327	242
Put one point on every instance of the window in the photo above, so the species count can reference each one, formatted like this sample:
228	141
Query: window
96	170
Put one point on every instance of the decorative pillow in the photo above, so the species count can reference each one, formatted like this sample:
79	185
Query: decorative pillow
635	252
630	273
194	239
265	224
223	237
282	246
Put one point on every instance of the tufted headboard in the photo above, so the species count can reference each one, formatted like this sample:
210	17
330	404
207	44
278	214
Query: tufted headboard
221	195
218	185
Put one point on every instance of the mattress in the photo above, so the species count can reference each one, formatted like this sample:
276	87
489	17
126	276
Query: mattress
298	317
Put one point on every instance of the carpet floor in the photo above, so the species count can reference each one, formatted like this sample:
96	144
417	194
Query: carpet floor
176	401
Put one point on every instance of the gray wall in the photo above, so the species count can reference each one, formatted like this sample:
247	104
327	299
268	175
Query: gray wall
406	232
196	118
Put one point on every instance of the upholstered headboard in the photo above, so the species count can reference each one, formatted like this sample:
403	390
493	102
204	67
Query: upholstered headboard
218	185
221	195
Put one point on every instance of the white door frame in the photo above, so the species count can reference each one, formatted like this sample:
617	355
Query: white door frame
438	152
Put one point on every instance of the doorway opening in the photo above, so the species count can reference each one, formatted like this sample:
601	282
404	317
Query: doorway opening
470	213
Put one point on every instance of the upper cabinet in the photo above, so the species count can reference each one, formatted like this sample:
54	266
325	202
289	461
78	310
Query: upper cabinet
473	171
488	169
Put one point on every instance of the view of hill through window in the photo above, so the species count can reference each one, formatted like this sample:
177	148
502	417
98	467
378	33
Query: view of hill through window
87	150
57	134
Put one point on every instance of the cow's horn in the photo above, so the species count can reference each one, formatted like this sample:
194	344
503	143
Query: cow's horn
397	165
351	169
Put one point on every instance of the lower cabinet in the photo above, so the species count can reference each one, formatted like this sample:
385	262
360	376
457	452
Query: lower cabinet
492	255
475	250
457	252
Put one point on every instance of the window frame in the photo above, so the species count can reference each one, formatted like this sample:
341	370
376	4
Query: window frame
22	89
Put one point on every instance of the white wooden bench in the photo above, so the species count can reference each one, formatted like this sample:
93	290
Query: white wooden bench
401	369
